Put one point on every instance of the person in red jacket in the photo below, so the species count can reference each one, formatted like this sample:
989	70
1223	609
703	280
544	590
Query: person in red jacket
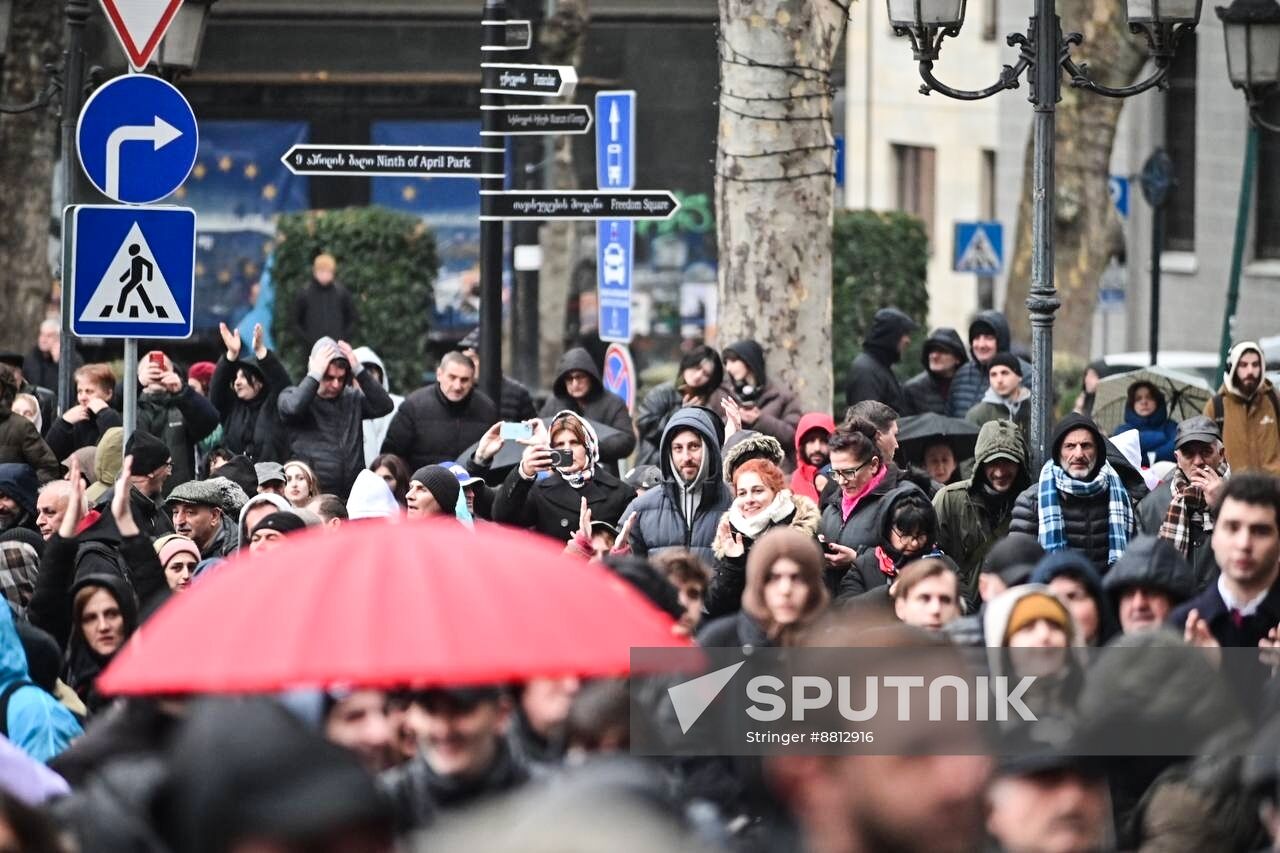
811	452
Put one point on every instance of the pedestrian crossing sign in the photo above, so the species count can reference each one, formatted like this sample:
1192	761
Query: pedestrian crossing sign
132	270
979	247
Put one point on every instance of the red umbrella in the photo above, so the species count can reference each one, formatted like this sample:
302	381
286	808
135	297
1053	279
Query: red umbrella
378	604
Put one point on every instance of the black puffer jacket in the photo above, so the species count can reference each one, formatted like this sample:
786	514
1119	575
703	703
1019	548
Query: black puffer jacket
1085	518
179	420
429	428
601	406
871	374
551	506
251	427
419	796
970	381
865	574
925	392
65	438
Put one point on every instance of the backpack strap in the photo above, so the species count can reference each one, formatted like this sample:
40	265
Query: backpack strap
5	696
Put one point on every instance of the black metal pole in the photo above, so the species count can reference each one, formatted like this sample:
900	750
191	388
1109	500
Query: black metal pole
491	248
76	13
524	325
1157	243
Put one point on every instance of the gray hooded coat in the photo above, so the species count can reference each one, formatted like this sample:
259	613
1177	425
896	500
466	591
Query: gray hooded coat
661	521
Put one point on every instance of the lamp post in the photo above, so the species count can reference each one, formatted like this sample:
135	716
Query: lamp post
1252	32
1044	53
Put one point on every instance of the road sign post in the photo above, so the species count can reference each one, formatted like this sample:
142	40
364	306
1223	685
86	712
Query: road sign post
140	26
491	238
615	238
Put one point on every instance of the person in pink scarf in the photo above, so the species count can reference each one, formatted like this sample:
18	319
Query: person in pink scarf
849	515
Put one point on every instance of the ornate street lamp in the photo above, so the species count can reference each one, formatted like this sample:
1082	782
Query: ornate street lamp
1044	53
1252	32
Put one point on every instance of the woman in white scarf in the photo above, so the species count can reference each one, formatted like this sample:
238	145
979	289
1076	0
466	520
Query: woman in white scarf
761	501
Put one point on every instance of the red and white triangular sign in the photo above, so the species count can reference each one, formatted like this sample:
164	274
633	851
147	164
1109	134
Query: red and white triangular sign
140	25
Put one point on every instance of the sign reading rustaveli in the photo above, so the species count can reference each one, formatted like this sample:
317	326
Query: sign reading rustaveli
926	699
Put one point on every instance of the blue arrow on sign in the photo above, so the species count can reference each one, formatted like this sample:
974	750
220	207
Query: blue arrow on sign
137	139
132	270
615	140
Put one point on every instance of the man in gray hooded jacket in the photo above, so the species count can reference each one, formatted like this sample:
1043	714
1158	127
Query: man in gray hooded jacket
685	509
323	414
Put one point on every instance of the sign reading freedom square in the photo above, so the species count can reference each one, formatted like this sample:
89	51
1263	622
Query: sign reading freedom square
585	204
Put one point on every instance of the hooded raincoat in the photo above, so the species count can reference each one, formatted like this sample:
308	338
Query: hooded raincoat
971	515
600	405
676	514
802	481
36	722
1250	425
926	392
1076	567
871	375
375	429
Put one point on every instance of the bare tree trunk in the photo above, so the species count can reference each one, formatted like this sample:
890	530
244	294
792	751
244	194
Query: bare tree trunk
561	43
28	143
775	185
1088	228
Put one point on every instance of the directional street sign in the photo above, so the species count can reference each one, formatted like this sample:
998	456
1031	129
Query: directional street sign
140	25
979	247
551	205
548	120
614	263
539	81
137	139
132	270
418	161
517	35
616	140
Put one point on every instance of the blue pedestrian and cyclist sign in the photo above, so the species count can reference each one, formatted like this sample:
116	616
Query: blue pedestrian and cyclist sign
132	270
137	139
979	247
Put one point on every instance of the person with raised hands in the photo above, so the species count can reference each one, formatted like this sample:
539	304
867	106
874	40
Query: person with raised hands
245	390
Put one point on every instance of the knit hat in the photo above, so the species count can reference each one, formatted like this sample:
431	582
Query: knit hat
1013	558
202	372
285	522
217	492
149	453
1034	606
1005	359
442	484
168	547
471	340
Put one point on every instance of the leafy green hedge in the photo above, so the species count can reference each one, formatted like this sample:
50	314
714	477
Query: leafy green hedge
388	262
878	260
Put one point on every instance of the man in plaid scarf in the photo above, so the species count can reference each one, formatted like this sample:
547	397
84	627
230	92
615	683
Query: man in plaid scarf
1178	508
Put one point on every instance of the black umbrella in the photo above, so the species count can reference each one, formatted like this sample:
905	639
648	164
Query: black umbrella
509	456
917	432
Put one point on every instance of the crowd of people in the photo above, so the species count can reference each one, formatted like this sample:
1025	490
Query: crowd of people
751	522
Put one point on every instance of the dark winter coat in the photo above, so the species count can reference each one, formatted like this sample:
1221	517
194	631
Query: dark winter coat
860	530
41	370
925	392
1085	518
600	405
551	506
779	409
1077	567
724	593
151	517
19	482
179	420
656	410
84	665
251	427
970	381
324	311
1151	512
515	403
660	522
329	434
1216	613
1151	563
66	438
871	375
865	574
735	629
20	442
994	408
1156	433
419	796
429	428
970	517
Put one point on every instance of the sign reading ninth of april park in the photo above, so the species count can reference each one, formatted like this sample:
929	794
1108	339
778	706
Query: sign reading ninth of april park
419	161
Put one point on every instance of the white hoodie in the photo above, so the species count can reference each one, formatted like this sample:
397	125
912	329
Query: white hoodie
375	429
371	497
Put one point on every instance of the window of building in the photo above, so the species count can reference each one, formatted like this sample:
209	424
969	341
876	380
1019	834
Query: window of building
1267	236
914	174
1180	142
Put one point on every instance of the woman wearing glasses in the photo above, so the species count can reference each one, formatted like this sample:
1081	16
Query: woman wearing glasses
908	528
849	514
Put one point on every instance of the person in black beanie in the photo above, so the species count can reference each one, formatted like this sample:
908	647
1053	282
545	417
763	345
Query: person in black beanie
151	469
271	531
433	490
1006	398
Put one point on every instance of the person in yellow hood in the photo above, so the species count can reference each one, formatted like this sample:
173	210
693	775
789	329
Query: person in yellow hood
1247	410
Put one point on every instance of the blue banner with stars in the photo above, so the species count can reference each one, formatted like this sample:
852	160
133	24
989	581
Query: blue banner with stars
239	188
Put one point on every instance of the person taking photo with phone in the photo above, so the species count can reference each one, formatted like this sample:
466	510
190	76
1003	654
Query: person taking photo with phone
569	456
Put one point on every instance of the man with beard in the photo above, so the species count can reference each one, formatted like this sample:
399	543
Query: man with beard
812	452
1247	410
18	486
464	756
974	514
